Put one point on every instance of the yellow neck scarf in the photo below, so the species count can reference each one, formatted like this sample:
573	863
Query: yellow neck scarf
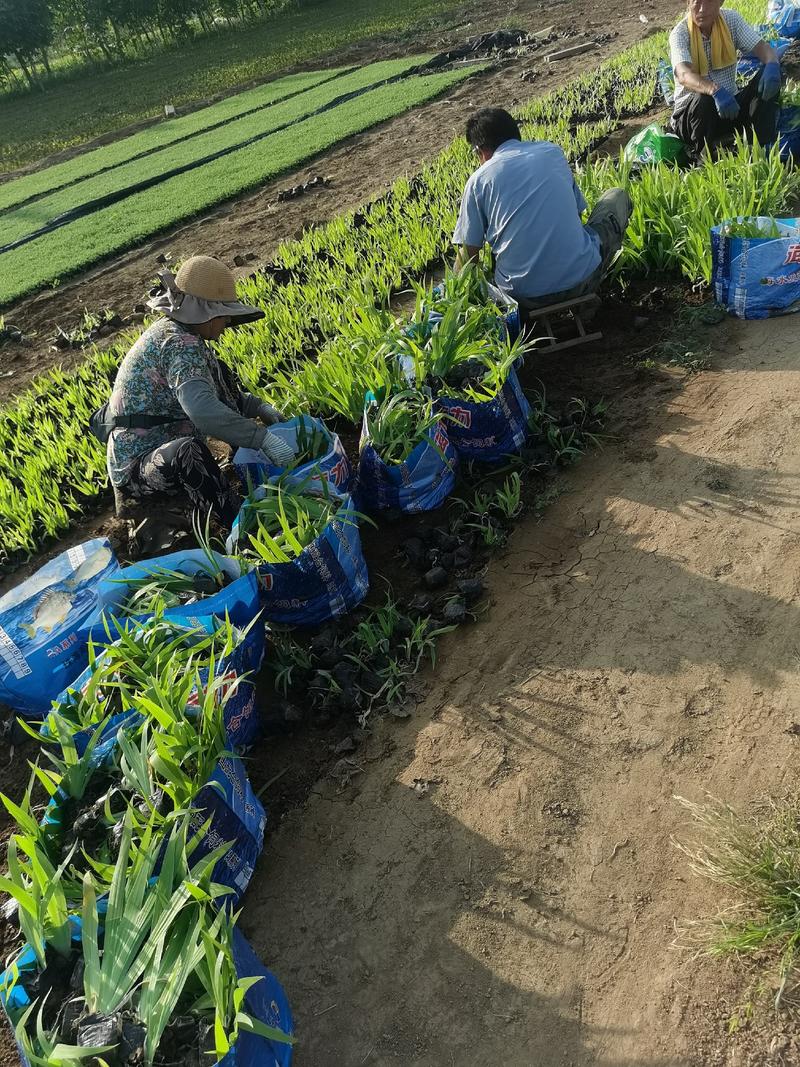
723	53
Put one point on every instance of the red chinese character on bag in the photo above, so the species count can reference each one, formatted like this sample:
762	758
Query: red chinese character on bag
792	255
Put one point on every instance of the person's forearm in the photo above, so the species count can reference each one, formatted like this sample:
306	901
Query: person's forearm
215	419
689	78
766	53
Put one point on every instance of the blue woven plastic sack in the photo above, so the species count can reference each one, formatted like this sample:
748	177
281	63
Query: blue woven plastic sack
44	626
491	431
334	467
327	580
265	1001
227	803
785	17
422	482
789	132
237	816
755	278
242	719
238	600
749	66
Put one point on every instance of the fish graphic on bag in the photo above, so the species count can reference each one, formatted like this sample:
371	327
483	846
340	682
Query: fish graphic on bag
92	565
50	612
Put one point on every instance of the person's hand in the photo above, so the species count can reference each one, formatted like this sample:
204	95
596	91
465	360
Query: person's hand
277	451
770	84
727	104
270	416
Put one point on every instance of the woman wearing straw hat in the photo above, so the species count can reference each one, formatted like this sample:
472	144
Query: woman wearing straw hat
708	110
171	393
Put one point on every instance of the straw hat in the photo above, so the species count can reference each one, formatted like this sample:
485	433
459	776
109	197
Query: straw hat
204	289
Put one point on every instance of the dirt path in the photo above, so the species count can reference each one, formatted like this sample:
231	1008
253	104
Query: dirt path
498	885
362	167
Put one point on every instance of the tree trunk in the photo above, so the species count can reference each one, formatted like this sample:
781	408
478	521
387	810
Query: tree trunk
46	61
24	68
117	38
104	48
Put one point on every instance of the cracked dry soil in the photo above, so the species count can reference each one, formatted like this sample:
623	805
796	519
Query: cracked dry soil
642	643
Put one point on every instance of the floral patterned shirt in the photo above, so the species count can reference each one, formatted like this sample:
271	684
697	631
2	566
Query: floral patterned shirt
164	358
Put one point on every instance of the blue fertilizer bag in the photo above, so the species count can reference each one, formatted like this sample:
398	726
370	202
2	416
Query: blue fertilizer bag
332	467
490	431
237	816
328	579
45	623
785	17
242	719
756	278
238	599
422	482
227	803
789	132
265	1000
749	65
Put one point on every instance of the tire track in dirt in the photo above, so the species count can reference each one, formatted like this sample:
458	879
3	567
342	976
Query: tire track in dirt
499	883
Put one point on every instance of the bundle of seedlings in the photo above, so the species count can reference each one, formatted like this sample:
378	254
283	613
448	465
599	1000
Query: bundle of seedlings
161	589
147	977
790	93
468	288
157	589
280	520
135	654
397	424
354	667
154	765
313	443
764	228
560	437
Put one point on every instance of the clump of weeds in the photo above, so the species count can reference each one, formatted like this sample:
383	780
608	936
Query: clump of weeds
755	858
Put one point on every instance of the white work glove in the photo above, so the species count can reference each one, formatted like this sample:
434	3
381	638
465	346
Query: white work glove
270	415
277	451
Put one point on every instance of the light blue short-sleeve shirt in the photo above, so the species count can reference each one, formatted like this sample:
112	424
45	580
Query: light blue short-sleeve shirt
744	37
525	204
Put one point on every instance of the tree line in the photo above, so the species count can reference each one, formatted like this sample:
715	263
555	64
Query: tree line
31	31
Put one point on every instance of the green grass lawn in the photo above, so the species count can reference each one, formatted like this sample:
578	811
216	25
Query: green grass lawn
76	110
143	214
30	217
166	132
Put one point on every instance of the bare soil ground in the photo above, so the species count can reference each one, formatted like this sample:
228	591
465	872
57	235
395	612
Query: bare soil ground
497	883
362	167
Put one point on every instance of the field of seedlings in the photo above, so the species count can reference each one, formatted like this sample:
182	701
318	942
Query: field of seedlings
78	105
117	204
419	438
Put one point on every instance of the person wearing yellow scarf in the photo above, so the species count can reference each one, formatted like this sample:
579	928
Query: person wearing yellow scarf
723	51
709	110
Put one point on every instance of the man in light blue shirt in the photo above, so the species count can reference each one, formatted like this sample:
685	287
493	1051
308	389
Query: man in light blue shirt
523	202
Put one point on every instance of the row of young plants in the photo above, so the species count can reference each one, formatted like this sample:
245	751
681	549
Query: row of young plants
91	237
163	133
125	888
25	219
321	288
